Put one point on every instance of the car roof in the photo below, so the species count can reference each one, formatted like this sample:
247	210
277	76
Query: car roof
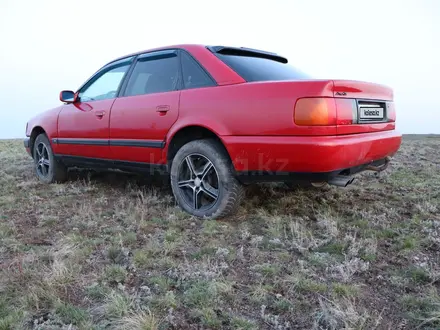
180	46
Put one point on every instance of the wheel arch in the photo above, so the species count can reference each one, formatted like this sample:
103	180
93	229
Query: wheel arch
37	130
187	134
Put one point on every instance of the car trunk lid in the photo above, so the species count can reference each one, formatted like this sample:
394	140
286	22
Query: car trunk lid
363	107
361	90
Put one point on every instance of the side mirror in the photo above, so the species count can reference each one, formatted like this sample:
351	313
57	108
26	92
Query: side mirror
68	97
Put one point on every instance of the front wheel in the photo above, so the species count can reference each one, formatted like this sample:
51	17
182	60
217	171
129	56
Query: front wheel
47	168
203	181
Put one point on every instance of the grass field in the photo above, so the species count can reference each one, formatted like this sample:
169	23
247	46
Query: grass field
112	251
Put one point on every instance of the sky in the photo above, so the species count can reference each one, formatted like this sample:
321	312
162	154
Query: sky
47	46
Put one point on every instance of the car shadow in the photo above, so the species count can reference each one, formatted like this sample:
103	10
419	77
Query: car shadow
161	182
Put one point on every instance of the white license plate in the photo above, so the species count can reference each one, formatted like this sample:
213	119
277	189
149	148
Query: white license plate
371	113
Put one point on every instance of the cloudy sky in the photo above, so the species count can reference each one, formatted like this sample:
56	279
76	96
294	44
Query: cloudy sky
47	46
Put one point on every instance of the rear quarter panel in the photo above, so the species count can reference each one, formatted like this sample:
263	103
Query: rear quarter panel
260	108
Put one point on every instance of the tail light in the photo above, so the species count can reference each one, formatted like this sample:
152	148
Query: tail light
391	111
315	112
335	111
325	112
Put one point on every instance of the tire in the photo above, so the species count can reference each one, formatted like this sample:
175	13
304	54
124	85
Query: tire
47	168
213	184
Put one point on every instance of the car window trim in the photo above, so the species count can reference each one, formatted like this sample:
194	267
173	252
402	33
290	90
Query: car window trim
151	56
157	55
126	79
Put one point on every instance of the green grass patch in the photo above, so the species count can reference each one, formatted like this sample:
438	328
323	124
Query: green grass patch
345	290
70	314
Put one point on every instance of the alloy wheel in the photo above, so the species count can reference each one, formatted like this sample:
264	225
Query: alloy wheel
198	182
42	160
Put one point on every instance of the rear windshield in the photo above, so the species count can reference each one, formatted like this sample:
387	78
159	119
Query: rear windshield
253	68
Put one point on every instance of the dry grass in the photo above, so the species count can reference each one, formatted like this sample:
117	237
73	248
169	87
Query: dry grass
112	251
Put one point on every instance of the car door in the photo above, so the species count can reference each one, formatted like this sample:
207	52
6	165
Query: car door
83	126
146	110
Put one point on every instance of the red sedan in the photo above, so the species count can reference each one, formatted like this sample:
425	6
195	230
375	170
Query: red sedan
216	118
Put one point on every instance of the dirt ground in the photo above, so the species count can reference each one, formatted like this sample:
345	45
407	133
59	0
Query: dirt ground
113	251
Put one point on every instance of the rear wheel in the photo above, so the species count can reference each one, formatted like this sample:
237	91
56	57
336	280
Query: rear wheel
203	181
47	168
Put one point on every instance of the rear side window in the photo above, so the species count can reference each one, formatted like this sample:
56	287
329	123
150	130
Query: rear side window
252	68
193	74
154	75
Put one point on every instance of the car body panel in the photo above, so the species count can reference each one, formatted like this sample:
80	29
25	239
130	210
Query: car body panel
138	119
82	131
359	89
309	154
47	121
264	108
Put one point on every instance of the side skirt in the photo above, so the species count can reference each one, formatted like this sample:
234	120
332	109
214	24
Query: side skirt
100	163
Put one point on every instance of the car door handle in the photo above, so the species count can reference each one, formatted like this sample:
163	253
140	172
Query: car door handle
162	109
99	114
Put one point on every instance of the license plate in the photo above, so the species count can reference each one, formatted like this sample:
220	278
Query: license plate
371	113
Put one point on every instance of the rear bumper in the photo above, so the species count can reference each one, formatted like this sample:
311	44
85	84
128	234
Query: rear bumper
324	155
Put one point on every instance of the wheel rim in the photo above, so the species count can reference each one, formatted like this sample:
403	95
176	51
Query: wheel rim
198	182
42	160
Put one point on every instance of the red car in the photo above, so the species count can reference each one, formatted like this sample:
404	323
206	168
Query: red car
215	119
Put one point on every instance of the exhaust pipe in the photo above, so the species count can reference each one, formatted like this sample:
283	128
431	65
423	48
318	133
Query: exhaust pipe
379	168
341	180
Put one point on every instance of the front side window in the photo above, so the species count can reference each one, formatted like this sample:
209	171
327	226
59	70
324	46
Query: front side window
154	74
106	84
